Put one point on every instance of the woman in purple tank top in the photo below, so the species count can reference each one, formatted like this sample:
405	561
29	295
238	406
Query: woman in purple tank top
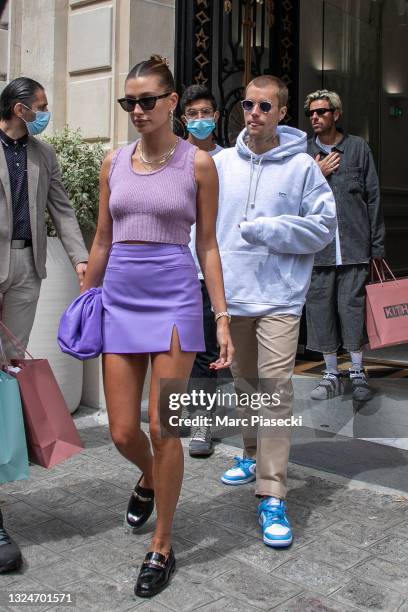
151	192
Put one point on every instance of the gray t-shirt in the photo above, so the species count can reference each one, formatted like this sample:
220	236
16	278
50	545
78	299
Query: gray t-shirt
193	227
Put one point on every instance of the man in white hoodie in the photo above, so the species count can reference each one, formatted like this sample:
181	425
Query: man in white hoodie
275	212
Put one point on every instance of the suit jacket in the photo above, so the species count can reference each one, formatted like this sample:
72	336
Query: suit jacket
45	190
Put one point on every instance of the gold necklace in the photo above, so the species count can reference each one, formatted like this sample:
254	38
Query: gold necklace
156	162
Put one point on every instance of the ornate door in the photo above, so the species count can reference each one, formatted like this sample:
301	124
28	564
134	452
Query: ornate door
224	43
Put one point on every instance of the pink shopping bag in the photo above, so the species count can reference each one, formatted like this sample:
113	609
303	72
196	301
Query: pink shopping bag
387	310
50	430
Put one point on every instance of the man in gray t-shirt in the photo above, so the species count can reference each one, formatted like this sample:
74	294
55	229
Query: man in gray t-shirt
335	304
200	115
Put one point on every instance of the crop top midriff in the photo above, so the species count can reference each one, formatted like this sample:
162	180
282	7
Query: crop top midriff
158	206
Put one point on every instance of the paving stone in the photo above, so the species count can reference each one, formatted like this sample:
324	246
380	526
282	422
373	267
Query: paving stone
357	533
193	505
339	559
214	536
312	574
186	495
55	535
100	594
205	486
401	529
228	603
6	499
308	520
364	499
83	514
386	572
368	595
313	602
205	565
106	494
180	597
392	547
264	557
22	585
48	497
96	556
21	515
151	606
254	587
59	575
232	517
123	479
36	556
334	551
115	533
240	496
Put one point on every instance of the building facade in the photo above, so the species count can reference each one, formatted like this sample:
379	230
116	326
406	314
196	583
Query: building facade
81	51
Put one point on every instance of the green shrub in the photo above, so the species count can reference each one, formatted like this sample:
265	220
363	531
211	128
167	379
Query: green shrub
80	164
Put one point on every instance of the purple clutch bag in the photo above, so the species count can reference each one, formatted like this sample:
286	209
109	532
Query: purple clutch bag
80	328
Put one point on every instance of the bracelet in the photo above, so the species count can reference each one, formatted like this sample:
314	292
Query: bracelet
222	314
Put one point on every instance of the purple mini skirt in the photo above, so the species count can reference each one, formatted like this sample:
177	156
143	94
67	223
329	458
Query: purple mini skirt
148	290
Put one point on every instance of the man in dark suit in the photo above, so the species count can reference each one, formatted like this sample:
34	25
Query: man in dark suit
30	183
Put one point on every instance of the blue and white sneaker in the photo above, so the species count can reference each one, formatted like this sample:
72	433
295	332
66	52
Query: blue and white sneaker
242	472
276	528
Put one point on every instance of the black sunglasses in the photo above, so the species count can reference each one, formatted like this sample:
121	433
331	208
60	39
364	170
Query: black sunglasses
146	104
264	106
319	111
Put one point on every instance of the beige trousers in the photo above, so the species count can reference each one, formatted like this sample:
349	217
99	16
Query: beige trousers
265	354
18	298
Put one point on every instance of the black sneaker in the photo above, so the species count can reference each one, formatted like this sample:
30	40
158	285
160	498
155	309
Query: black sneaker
10	554
201	444
361	390
329	386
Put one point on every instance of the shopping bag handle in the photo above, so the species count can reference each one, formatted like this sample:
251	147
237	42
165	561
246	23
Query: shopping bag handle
381	275
14	340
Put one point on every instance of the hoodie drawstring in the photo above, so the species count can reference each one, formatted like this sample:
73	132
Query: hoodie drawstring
258	175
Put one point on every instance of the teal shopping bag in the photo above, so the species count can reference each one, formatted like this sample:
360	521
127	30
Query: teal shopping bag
13	447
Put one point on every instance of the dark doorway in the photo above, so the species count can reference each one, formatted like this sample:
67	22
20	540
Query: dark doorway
224	43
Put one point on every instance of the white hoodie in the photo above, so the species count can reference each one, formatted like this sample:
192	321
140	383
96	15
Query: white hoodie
276	211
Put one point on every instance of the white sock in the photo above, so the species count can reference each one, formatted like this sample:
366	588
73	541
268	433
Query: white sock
330	360
356	360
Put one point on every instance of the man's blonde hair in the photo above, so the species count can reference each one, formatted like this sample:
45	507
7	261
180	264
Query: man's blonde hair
332	97
266	80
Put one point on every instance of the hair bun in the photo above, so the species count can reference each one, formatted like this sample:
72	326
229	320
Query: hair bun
160	60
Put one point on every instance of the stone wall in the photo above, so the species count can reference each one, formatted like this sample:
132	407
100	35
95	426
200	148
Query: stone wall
81	51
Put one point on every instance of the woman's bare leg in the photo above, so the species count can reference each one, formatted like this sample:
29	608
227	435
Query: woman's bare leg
123	378
168	462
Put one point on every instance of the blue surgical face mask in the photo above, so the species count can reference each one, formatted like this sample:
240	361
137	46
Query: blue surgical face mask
201	128
42	119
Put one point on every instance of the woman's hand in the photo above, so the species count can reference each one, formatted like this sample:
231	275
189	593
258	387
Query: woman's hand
225	343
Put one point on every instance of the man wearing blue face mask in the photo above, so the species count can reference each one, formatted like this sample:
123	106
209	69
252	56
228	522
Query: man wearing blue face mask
30	183
200	116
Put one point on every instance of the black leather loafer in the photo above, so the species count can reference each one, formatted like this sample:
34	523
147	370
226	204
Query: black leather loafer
155	574
140	506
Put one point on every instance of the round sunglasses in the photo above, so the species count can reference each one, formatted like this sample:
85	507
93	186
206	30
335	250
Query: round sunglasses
146	104
264	106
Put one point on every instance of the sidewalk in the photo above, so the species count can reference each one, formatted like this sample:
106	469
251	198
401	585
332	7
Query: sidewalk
350	550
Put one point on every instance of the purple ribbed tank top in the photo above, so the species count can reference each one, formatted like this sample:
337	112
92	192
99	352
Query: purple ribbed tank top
156	207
